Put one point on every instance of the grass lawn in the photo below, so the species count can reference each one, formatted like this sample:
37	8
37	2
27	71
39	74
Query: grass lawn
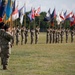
42	58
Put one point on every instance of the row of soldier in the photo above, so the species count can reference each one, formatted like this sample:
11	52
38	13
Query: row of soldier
23	31
57	35
52	36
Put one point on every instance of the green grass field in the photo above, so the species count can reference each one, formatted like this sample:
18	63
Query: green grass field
42	59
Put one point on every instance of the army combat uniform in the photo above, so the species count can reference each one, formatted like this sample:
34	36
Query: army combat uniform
47	35
62	34
50	35
26	35
32	35
5	47
67	33
22	35
36	35
72	36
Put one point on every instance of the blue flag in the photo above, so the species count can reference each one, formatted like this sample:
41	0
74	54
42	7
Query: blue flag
3	6
48	16
53	15
8	9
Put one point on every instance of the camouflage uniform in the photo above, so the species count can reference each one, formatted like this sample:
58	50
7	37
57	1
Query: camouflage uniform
50	35
58	36
72	35
17	36
62	33
53	35
36	35
67	33
32	35
26	35
47	35
22	35
56	32
5	47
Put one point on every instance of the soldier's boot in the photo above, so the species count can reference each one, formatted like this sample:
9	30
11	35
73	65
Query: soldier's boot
4	67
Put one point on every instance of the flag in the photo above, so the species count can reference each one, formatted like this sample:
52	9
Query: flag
53	15
62	16
58	19
65	14
72	20
22	13
9	9
69	15
3	5
37	12
15	14
48	16
31	15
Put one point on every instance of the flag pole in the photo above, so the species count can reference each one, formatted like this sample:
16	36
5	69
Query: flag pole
25	20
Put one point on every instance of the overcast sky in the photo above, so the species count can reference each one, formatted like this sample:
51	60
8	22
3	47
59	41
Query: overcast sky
59	5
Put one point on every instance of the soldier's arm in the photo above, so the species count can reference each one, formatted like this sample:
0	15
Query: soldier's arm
6	35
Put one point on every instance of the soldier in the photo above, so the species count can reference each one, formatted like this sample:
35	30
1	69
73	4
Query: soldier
1	28
61	34
47	35
32	35
22	34
67	33
36	34
6	46
17	35
72	35
56	32
58	35
26	34
53	35
50	35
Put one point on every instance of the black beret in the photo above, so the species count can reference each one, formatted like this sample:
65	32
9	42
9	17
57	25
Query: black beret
1	24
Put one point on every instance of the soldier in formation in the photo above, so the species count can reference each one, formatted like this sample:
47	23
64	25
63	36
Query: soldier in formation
26	35
22	34
67	34
47	34
50	35
36	34
32	31
62	34
17	34
72	36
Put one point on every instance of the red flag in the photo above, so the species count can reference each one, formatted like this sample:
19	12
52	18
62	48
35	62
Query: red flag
69	15
53	15
33	13
72	20
37	12
62	16
15	14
